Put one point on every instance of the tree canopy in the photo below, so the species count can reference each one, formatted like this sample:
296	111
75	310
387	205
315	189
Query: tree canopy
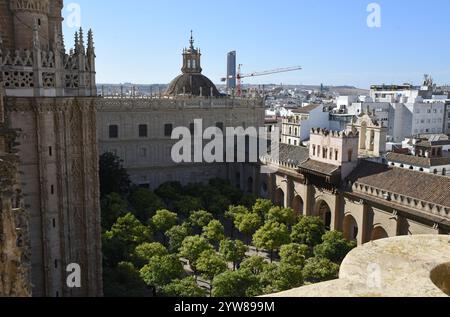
145	252
240	283
233	251
123	281
113	177
164	220
199	219
294	254
318	270
192	248
280	277
334	247
186	287
211	264
160	271
176	235
113	207
214	232
309	231
271	237
145	203
286	216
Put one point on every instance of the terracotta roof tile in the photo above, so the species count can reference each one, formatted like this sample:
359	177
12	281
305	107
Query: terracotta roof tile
422	186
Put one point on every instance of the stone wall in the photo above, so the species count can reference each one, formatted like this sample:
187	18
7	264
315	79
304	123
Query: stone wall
14	239
59	164
148	159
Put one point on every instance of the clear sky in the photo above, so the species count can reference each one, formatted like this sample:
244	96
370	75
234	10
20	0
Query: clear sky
140	41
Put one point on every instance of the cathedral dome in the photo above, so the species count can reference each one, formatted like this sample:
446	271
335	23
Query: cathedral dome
191	81
192	84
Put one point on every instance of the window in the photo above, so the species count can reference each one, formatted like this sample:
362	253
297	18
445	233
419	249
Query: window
336	155
314	150
295	142
52	190
113	131
168	128
325	153
54	223
50	151
350	154
143	131
318	150
143	152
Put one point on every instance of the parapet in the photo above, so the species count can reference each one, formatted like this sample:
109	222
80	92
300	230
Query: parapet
406	266
335	134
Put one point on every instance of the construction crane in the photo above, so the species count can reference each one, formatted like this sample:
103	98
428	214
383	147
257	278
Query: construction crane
240	76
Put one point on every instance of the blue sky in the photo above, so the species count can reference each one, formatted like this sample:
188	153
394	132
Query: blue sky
140	41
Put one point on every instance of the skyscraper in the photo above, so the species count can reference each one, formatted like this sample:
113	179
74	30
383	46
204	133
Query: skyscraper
231	70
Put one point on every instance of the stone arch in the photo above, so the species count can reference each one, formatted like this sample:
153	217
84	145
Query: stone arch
351	229
323	211
298	205
378	233
279	197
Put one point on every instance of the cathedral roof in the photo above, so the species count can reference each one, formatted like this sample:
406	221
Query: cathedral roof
191	81
192	84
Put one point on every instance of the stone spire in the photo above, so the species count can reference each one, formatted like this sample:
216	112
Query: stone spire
81	41
90	44
76	42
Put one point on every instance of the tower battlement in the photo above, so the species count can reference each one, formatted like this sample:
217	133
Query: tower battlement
335	134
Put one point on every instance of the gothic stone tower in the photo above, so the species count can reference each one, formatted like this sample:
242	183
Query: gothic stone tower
50	98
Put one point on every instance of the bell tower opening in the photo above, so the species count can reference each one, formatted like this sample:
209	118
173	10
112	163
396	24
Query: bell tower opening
191	58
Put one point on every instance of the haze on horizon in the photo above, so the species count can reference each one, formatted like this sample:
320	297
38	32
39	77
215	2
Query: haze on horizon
141	41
